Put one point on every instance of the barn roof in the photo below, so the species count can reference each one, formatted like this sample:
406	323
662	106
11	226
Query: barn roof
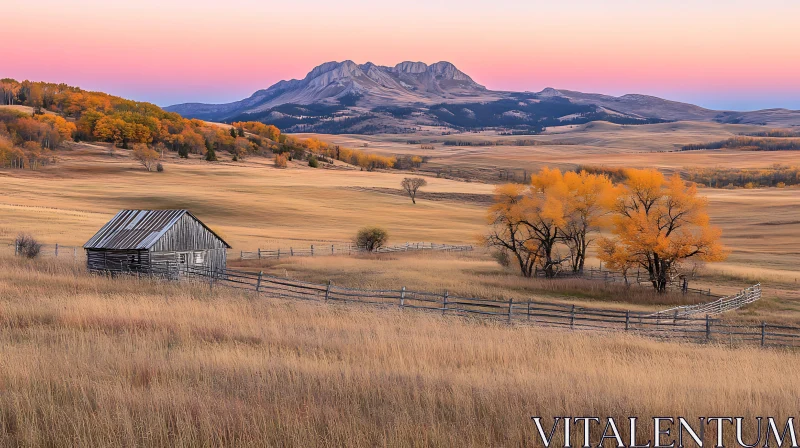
138	229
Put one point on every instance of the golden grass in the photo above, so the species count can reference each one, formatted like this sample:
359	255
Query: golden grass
464	274
252	205
91	361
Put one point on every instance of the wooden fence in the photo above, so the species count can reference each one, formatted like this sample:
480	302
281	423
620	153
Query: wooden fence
60	250
719	306
345	249
55	250
670	324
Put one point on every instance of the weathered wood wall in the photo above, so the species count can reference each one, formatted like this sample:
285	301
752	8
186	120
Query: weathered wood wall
103	259
189	236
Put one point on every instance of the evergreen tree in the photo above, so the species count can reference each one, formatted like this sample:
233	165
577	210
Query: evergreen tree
211	155
233	132
241	132
183	151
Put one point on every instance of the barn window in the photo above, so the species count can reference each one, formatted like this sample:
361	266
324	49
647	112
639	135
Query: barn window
183	258
198	257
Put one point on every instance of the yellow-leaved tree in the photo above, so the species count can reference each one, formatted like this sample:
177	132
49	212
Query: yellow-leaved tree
657	224
589	200
556	211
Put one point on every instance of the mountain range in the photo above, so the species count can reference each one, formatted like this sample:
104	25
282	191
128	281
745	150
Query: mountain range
345	97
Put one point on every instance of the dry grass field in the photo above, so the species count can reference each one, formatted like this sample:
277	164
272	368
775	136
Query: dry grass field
598	143
252	204
93	361
96	361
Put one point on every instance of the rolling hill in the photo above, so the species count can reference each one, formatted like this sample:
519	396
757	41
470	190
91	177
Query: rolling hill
345	97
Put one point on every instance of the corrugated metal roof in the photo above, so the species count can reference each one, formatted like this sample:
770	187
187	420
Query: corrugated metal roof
137	229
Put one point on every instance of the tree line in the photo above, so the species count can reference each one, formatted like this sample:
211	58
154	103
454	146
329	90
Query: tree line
656	223
308	147
748	143
62	112
777	175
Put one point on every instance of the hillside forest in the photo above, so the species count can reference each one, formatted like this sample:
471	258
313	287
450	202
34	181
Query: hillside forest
64	113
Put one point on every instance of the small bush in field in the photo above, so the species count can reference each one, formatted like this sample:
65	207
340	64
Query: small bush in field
371	238
160	168
27	246
313	162
280	161
502	258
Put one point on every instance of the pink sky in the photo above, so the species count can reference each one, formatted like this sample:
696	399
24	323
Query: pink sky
721	54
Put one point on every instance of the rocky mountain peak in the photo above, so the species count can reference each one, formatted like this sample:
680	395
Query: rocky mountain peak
411	67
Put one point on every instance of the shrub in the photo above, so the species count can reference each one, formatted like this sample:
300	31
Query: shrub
160	168
313	162
502	258
371	238
27	246
280	161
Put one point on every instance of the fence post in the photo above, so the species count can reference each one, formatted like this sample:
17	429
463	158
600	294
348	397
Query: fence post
279	253
572	318
402	297
291	252
332	251
444	306
708	327
627	320
259	253
763	332
241	255
16	248
510	309
258	285
312	250
529	309
328	291
75	252
56	250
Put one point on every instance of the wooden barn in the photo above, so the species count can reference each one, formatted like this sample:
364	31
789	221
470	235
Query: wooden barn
152	240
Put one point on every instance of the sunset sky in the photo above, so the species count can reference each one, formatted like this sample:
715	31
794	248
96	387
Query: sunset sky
721	54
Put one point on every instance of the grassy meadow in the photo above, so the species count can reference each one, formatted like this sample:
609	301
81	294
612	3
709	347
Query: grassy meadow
252	204
93	361
96	361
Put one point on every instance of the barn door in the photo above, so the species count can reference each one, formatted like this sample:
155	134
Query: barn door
184	260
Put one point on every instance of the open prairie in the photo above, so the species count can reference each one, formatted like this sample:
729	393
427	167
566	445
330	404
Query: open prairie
566	147
252	204
98	361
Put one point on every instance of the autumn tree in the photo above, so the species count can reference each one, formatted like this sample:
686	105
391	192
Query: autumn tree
411	185
589	198
508	231
545	213
556	211
658	224
147	156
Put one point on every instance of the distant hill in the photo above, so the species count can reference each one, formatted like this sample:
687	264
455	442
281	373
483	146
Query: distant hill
345	97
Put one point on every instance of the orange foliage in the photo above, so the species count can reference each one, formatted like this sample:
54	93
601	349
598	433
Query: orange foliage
657	224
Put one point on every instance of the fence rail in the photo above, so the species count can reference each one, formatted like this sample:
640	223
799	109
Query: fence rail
670	324
346	249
